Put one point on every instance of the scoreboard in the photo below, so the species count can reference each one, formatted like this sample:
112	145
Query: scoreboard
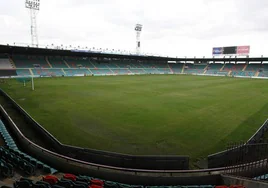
231	50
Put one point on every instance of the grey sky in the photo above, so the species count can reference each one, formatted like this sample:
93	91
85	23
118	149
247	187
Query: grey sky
171	27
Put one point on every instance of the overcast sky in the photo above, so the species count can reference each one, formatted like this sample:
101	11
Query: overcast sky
170	27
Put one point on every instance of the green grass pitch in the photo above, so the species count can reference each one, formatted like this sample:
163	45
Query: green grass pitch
152	114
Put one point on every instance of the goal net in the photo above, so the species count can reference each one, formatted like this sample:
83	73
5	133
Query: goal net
24	80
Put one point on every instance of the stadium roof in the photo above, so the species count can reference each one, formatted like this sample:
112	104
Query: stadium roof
61	52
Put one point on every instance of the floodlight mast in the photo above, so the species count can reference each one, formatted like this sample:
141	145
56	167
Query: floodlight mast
33	6
138	30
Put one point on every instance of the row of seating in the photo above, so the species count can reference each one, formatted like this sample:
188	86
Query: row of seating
234	67
263	74
164	70
11	157
256	67
23	72
243	73
70	66
57	62
262	177
47	72
96	71
72	181
176	68
214	68
22	61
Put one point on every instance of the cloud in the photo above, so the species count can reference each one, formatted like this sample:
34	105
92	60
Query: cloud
170	27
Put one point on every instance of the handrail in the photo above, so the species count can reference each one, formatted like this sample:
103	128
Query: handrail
248	142
263	127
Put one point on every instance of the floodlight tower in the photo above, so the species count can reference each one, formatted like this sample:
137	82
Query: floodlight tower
34	6
138	29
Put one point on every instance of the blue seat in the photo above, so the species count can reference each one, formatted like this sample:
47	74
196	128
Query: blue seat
64	183
22	184
39	186
19	159
43	184
57	186
110	184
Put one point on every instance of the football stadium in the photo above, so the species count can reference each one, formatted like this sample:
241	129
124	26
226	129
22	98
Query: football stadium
78	117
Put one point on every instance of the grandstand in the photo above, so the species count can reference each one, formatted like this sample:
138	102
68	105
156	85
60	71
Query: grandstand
70	66
192	68
24	61
85	65
23	154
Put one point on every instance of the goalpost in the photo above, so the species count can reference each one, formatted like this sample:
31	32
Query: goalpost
25	80
32	83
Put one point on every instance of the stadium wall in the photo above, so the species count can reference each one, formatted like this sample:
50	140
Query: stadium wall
124	175
7	73
128	161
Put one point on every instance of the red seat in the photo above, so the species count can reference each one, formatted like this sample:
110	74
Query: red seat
237	186
221	186
96	182
70	177
50	179
95	186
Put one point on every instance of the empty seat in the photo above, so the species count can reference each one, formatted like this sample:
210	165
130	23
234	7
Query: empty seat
64	183
70	177
82	183
26	179
50	179
17	158
237	186
96	182
42	184
121	185
57	186
83	179
95	186
75	185
22	61
6	169
110	184
22	184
